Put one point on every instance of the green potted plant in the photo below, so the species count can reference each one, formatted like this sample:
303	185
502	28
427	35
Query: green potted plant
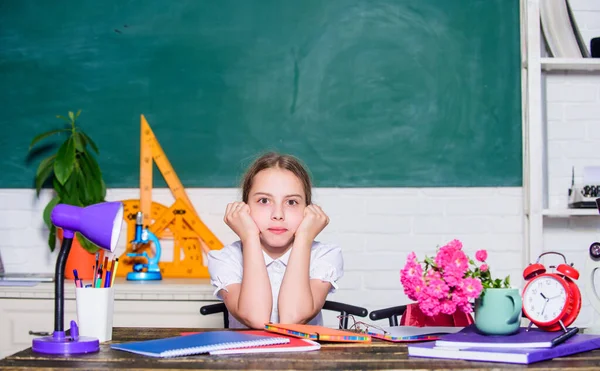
76	179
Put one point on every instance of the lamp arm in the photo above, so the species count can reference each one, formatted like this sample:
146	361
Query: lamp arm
59	283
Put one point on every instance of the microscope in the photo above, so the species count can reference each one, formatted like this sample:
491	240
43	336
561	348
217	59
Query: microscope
144	271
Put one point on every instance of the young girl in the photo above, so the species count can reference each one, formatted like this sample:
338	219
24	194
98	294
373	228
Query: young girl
276	272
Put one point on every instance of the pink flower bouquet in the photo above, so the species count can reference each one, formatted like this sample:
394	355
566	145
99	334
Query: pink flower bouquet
449	282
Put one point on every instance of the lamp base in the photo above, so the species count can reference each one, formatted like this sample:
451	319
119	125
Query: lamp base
144	276
60	343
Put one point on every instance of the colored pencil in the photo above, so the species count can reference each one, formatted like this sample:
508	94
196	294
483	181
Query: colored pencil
114	272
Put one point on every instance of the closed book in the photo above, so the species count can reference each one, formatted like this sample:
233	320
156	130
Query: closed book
318	333
471	337
204	342
576	344
402	334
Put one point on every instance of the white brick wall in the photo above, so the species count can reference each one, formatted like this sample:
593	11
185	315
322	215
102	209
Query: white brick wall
573	123
377	228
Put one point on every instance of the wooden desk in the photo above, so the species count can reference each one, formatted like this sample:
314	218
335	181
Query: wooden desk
377	355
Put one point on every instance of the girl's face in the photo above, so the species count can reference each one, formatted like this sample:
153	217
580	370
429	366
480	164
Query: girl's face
277	202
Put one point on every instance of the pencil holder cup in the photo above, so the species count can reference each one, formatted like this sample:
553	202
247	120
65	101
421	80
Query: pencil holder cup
95	308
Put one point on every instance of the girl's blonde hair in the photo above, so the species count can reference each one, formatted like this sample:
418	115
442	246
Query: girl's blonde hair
276	160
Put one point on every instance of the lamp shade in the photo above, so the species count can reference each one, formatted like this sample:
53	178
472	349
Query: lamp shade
99	223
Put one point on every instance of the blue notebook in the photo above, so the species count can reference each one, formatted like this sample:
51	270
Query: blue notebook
198	343
576	344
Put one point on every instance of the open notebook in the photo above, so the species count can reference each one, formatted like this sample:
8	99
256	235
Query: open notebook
24	277
198	343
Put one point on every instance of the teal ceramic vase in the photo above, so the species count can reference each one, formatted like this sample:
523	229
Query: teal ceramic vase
498	311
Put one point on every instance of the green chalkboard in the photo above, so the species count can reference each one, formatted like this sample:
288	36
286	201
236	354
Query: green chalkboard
379	93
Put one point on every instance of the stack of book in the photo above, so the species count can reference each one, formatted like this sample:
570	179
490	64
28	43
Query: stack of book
524	347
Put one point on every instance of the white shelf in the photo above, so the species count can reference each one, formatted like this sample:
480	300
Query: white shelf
565	213
570	64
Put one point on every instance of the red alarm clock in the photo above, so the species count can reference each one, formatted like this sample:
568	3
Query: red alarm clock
551	301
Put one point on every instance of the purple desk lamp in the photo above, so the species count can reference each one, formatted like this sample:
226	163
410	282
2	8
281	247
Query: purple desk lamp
101	224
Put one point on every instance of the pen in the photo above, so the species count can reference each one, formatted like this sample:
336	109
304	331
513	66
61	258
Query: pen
564	336
95	268
76	278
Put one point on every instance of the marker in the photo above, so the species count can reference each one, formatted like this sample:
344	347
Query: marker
107	279
105	267
98	278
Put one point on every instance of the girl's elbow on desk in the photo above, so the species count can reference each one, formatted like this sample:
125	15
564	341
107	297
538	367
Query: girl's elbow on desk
258	325
296	318
255	322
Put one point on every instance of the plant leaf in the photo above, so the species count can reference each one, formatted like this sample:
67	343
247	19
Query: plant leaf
93	178
87	245
80	142
429	261
79	183
89	141
103	192
52	238
91	167
43	172
45	135
59	188
77	114
71	116
63	118
65	160
71	195
48	210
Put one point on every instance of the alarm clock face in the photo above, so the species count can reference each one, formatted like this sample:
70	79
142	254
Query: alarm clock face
545	299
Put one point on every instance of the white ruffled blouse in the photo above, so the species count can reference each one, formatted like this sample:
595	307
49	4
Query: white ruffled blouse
225	267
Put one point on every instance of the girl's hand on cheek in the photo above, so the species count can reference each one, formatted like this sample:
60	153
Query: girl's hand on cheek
313	223
237	217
